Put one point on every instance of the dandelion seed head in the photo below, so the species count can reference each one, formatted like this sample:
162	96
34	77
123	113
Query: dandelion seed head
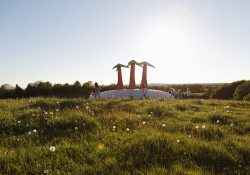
52	149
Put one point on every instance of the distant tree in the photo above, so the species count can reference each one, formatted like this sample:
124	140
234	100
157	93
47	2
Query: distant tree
226	91
77	89
242	90
57	90
87	89
7	87
18	92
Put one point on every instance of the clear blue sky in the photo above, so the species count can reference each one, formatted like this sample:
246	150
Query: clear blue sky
188	41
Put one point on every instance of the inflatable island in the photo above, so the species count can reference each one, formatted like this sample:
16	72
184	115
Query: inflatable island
131	92
134	94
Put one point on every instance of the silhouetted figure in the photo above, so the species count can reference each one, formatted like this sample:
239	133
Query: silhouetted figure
144	90
97	90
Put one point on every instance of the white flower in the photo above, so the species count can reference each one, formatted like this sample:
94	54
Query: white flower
163	125
51	113
197	127
29	133
151	112
33	115
57	110
83	124
149	115
227	106
218	121
57	102
189	136
143	123
87	107
114	127
127	129
232	124
227	111
46	172
77	107
18	121
52	149
45	112
178	141
76	128
34	130
203	126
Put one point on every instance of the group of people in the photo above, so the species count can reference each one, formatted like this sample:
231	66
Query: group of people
179	94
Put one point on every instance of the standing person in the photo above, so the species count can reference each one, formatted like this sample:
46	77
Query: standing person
188	93
144	90
97	90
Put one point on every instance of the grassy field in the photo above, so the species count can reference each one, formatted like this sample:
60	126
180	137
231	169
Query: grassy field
62	136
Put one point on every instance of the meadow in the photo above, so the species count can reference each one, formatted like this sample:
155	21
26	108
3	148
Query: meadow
77	136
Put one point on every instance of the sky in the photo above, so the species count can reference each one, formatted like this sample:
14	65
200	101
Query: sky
61	41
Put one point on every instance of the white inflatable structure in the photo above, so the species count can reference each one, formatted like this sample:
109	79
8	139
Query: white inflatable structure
134	94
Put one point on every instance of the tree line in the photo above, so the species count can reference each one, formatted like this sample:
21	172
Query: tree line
239	90
46	89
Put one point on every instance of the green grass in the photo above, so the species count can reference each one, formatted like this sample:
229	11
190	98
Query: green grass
124	136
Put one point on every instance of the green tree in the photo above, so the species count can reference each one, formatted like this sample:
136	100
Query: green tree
242	90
